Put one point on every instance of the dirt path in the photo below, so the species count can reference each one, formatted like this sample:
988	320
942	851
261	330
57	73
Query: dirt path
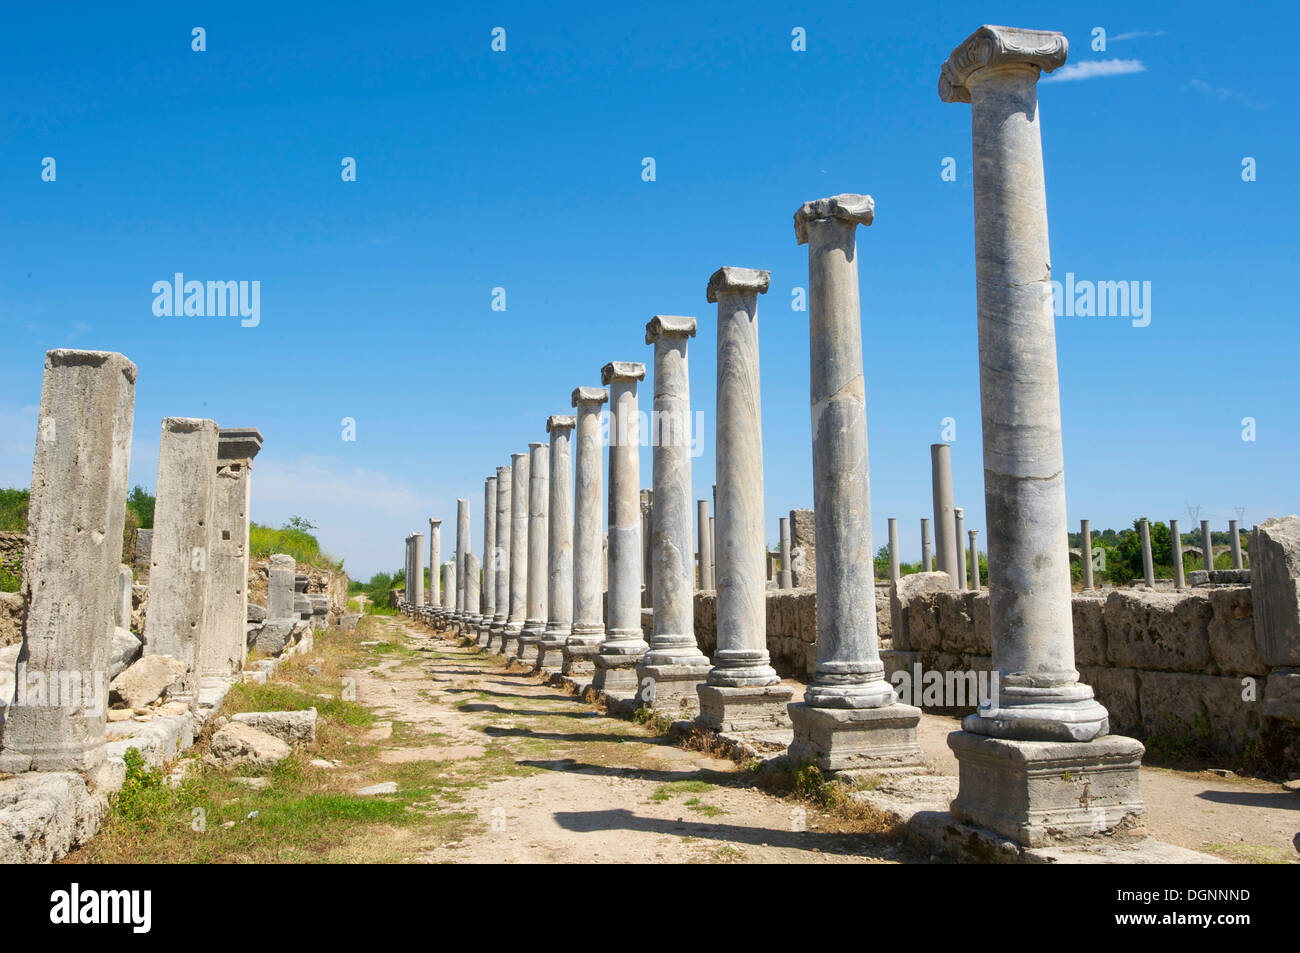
556	781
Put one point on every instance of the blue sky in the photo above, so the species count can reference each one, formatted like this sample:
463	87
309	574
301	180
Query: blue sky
523	170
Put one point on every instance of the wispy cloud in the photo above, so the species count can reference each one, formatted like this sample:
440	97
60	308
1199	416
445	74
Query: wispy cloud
1094	69
1135	35
1221	95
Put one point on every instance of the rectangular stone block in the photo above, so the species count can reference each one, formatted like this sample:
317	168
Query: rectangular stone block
744	710
1204	709
280	587
1088	612
672	689
1162	631
841	739
223	645
1117	690
1275	586
1232	632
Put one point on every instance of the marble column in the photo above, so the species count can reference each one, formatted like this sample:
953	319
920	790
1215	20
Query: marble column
673	666
705	533
743	693
488	585
559	546
1207	546
1148	570
959	555
894	573
616	662
1085	552
539	507
713	551
927	564
974	559
1180	580
462	550
417	570
224	646
1009	781
945	530
850	717
518	555
1235	542
501	557
74	548
785	578
473	582
434	597
449	586
588	538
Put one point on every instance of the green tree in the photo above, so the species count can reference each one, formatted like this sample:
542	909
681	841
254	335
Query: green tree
143	504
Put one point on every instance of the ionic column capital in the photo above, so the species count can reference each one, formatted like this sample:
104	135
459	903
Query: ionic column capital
729	280
558	423
622	371
847	207
589	395
992	48
669	325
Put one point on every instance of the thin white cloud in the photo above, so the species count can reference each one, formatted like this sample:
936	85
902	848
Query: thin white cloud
1135	35
1222	95
1094	69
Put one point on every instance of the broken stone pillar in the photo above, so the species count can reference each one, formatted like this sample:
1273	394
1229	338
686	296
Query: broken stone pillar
1207	546
588	540
974	560
417	569
894	571
673	666
927	564
1234	540
615	672
1148	570
743	693
705	543
488	585
462	551
449	586
1180	581
75	517
539	503
181	578
1036	762
279	586
559	546
850	717
501	556
1085	552
434	596
945	530
959	555
518	555
122	605
803	548
785	578
224	646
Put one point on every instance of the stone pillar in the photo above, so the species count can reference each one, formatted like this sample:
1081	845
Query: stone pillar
279	585
1085	552
1148	570
417	568
616	662
123	602
518	555
647	511
588	540
705	533
224	646
489	545
1009	781
743	693
462	551
803	548
434	597
1235	541
539	504
974	560
1180	581
449	586
945	530
673	666
894	573
74	547
180	578
559	597
958	554
472	593
1207	545
850	717
785	578
501	556
713	552
927	564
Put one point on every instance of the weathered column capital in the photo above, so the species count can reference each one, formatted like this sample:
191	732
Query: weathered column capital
237	444
669	325
558	423
847	207
434	522
731	280
589	395
622	371
993	48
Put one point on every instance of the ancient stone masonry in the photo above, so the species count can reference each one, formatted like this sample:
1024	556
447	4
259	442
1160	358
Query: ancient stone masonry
945	524
803	549
501	556
588	620
434	597
224	645
559	599
519	463
488	584
539	503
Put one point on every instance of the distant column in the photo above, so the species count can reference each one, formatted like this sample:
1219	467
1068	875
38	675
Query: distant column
894	573
785	579
974	560
705	543
588	538
1180	580
1235	542
417	569
959	557
1085	552
434	596
539	507
1207	545
488	586
462	552
559	548
1148	570
501	556
945	529
518	554
927	564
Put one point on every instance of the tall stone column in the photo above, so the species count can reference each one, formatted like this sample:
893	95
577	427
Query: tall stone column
224	646
1235	533
1148	570
1009	781
1207	546
489	544
673	666
472	593
434	597
713	554
743	693
501	556
539	505
417	568
785	578
180	579
894	572
518	555
959	553
647	518
1085	552
1180	581
945	529
615	672
850	716
705	531
449	586
559	546
74	547
462	551
927	565
588	540
974	560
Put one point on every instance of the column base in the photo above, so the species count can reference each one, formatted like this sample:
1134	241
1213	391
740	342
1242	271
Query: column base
578	659
742	710
509	641
840	739
1065	713
615	675
673	689
550	654
1043	792
526	648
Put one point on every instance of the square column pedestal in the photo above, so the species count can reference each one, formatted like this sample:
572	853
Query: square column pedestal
848	739
615	675
744	710
578	659
675	687
1039	792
